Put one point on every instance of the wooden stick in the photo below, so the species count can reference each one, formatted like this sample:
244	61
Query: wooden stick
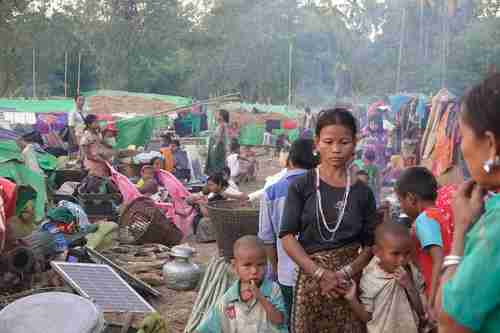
188	107
153	279
79	70
145	267
129	317
34	73
221	99
65	74
401	46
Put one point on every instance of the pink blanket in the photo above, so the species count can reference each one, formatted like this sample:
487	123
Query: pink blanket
179	211
184	213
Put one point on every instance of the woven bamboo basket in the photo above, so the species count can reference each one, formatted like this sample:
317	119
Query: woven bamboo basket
232	220
142	222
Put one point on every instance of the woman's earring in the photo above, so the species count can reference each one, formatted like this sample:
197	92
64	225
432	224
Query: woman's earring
490	164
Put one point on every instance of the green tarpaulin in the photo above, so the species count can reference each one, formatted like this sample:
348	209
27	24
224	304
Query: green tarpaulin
46	162
21	175
252	134
135	131
63	105
36	106
9	150
12	166
177	100
284	110
292	134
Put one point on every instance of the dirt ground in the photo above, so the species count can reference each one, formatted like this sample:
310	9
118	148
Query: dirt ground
176	306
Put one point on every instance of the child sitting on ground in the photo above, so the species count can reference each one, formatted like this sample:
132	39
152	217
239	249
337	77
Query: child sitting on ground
391	289
147	184
252	304
233	162
417	191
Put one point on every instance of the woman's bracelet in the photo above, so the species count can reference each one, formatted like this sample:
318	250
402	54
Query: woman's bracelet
450	261
347	271
318	273
452	257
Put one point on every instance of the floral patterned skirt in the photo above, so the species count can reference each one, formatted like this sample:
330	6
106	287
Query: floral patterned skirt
313	312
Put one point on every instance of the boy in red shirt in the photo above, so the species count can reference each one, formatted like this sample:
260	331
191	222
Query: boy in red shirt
432	228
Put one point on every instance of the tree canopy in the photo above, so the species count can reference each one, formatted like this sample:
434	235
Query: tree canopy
205	47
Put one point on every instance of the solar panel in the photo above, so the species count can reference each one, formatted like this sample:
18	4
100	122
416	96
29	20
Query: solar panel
103	286
136	283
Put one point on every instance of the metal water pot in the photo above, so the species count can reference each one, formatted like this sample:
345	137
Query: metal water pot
181	273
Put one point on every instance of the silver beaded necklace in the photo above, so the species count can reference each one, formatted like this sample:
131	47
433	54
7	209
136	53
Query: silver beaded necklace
320	215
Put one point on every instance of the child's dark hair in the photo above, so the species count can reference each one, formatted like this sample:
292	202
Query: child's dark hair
89	119
301	154
337	116
176	142
362	173
418	181
235	146
225	115
391	228
481	106
219	179
154	159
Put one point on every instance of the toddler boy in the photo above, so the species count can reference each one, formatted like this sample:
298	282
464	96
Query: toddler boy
391	288
252	304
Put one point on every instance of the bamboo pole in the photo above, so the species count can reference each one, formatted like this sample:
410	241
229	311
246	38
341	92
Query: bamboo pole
401	45
444	45
221	99
79	71
421	28
34	73
65	74
290	58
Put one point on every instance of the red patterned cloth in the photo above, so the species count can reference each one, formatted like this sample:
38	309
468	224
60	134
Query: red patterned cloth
8	192
443	214
7	206
443	202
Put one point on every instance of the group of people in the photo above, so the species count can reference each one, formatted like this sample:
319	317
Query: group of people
335	267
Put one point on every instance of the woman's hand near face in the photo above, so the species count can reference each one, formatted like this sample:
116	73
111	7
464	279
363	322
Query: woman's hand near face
467	205
333	282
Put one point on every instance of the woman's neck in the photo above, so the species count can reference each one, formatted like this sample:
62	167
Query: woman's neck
335	176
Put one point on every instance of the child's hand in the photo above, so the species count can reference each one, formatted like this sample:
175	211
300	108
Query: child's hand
249	290
246	292
352	292
431	313
333	283
255	290
403	278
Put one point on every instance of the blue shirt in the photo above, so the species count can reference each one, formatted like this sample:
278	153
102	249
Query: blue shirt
181	159
428	231
271	214
232	315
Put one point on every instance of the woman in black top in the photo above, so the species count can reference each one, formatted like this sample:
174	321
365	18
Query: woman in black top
327	230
